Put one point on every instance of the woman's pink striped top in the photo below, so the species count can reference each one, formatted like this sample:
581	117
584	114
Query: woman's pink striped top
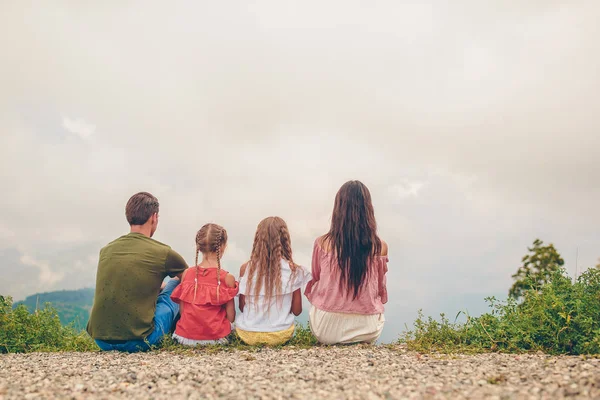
324	291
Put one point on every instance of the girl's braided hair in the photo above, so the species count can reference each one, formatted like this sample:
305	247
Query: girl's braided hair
211	238
272	243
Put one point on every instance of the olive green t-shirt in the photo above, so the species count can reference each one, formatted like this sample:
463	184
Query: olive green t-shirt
130	272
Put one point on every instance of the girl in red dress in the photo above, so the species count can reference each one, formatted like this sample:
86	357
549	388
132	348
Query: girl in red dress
205	295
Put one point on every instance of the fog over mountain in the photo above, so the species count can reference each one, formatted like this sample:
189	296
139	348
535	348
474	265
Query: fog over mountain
474	124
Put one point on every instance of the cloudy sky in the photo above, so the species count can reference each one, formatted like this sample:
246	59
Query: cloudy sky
475	125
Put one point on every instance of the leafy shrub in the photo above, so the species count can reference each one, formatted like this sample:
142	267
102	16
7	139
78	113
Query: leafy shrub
558	317
21	331
538	268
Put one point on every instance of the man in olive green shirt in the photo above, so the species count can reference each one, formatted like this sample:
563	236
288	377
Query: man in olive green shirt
130	311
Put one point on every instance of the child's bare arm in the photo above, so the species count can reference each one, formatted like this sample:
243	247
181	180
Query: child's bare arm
230	310
297	302
242	302
230	280
230	305
243	269
242	299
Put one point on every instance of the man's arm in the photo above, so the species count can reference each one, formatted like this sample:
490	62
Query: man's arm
175	264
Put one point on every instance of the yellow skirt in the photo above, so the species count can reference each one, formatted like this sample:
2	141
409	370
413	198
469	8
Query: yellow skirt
268	338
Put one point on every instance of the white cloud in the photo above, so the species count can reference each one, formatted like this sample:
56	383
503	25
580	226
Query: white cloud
47	277
78	127
407	188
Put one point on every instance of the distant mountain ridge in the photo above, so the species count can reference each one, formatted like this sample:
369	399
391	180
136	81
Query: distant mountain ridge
72	306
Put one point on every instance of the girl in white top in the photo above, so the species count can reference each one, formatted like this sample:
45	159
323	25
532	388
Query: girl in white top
270	285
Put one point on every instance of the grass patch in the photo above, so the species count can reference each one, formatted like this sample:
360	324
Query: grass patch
560	317
23	332
303	339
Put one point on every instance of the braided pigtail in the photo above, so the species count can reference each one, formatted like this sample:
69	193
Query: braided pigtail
286	249
286	246
198	238
196	278
272	244
219	239
210	239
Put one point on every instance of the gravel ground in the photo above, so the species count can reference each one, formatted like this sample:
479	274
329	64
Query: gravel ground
353	372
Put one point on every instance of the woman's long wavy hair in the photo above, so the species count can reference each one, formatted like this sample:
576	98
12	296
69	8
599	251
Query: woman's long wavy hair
353	234
272	243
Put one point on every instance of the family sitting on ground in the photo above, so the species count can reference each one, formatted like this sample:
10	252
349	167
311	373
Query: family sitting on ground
346	286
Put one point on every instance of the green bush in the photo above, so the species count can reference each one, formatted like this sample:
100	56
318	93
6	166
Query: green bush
21	331
559	317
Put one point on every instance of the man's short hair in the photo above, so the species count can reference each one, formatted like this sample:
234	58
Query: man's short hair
140	208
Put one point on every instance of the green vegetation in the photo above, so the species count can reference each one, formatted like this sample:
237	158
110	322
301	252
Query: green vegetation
42	330
22	331
538	267
72	306
546	311
555	315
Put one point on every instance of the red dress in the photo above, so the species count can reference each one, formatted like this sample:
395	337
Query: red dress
203	316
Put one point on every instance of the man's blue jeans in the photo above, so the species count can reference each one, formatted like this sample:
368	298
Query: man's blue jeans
164	318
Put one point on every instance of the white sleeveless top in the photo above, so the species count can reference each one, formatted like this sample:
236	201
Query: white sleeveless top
277	315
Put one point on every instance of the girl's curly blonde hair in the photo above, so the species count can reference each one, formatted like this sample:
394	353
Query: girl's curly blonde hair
272	243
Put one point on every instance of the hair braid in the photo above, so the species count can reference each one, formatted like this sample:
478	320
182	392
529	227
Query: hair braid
286	244
275	267
198	240
219	238
211	238
196	276
272	244
259	253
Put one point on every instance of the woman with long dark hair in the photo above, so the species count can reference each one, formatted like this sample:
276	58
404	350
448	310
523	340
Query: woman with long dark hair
349	263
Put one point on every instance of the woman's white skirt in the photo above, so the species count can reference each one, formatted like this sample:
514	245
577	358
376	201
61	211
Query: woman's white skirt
332	327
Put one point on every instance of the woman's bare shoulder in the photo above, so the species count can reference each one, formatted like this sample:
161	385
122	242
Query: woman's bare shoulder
384	248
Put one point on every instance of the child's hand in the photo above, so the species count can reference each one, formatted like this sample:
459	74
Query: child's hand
164	283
